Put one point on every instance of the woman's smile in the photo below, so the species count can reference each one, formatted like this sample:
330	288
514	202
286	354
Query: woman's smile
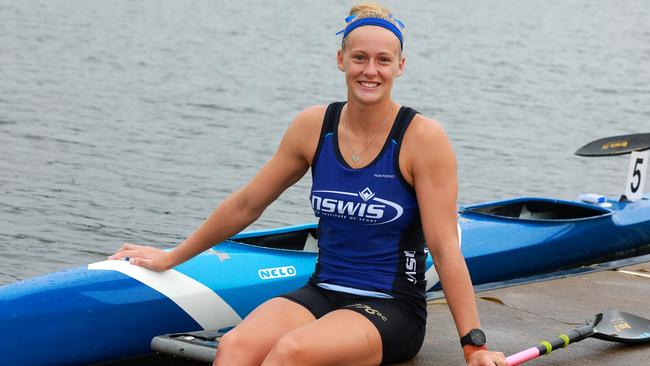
369	84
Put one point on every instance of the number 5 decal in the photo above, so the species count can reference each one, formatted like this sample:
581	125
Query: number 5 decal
636	175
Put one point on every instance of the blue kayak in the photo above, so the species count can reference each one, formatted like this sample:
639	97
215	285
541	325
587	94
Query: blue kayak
111	309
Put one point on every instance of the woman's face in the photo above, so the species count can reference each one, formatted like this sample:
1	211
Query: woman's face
371	61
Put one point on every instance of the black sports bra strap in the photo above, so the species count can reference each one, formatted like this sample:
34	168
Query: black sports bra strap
398	135
331	118
403	122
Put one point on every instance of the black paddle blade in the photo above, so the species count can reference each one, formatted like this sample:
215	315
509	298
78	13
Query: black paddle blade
617	326
616	145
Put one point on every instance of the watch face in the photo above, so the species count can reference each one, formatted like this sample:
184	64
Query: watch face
477	337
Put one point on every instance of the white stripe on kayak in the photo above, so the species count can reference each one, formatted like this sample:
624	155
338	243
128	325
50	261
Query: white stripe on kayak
431	275
196	299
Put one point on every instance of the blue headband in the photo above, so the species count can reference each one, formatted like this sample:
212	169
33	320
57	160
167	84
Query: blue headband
380	22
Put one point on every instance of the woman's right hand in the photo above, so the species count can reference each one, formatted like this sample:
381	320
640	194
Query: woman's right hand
144	256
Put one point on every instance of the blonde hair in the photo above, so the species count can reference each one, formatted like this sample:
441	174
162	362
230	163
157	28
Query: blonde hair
370	10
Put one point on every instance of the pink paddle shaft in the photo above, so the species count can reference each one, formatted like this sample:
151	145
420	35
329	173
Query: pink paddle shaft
523	356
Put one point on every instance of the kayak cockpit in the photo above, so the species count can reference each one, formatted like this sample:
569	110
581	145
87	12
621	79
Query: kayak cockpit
301	238
537	209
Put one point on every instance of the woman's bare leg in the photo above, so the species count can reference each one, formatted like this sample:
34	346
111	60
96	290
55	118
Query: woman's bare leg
255	336
342	337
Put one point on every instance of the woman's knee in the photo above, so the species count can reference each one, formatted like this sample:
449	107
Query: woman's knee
236	340
288	350
237	348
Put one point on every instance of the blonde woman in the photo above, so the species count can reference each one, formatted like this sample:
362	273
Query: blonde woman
384	184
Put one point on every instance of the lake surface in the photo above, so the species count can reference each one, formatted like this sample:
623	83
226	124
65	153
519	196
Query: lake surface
130	120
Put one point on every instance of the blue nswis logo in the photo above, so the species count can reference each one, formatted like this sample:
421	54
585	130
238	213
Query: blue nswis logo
363	206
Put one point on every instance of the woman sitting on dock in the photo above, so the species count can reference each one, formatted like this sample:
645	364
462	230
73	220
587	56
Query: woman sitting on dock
365	302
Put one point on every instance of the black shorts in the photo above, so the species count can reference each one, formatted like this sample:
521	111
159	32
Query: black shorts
400	327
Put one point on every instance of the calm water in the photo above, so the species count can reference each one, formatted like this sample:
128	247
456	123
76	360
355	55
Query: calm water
130	120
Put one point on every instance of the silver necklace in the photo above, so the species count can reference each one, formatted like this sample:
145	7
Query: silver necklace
356	157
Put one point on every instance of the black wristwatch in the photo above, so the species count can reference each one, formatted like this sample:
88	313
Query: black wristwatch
475	337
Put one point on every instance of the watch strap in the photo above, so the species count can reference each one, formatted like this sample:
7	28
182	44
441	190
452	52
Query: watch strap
468	340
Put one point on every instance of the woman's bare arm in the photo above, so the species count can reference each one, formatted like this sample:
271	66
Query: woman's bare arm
431	167
243	207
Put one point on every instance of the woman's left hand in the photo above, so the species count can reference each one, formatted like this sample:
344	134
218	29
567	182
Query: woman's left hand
486	358
144	256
